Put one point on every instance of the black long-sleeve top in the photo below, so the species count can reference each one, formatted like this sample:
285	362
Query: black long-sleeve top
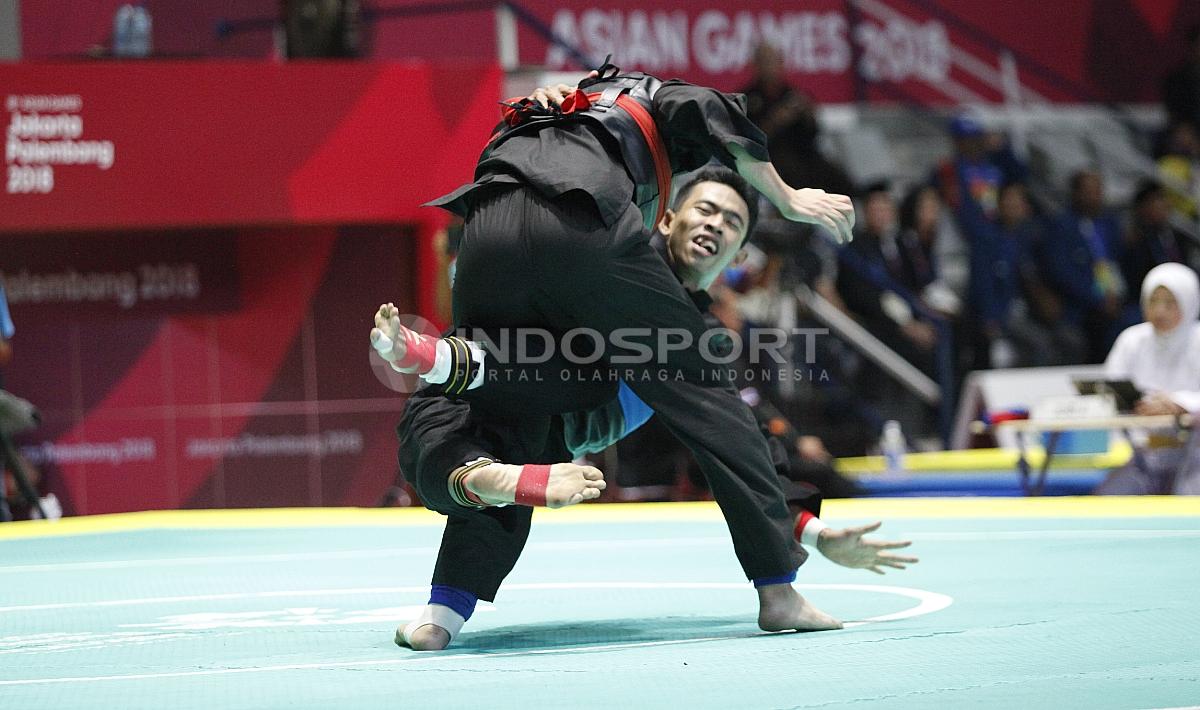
697	124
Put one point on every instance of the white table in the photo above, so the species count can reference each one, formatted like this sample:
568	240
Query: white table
1055	427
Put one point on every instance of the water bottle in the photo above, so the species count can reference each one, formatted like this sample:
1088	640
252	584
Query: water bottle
51	506
132	31
891	445
123	32
141	32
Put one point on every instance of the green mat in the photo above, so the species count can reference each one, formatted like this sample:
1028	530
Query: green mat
1063	607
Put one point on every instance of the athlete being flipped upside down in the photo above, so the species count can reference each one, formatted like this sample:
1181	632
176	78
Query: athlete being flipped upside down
553	240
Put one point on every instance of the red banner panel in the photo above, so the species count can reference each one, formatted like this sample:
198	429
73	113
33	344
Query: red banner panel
258	392
923	51
183	144
105	276
927	51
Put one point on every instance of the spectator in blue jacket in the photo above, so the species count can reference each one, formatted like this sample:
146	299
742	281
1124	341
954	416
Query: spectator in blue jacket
970	181
882	276
1080	258
1019	317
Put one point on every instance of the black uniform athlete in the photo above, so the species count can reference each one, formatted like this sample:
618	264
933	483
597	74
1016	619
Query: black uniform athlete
554	238
438	432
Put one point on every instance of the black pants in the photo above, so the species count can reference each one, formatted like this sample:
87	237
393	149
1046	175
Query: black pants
438	435
480	547
528	261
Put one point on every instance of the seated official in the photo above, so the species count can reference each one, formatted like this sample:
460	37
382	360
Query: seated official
1162	357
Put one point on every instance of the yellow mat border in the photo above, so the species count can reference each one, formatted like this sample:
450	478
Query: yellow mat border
985	461
853	509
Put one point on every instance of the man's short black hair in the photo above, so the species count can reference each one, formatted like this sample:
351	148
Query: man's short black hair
1147	189
725	176
876	187
908	206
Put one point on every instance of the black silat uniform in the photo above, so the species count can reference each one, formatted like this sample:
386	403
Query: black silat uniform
439	433
554	238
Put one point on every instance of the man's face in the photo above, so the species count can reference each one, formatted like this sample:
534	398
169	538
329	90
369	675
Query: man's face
705	235
769	63
1089	194
1014	207
971	147
1155	211
880	213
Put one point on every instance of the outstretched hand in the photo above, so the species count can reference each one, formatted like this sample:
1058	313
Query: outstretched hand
813	206
847	548
832	211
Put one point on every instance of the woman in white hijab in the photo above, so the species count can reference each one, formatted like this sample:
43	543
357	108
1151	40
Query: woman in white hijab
1162	357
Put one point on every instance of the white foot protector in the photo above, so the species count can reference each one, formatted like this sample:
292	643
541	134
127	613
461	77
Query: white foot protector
437	615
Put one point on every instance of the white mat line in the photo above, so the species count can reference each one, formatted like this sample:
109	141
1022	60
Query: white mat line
929	602
1150	534
218	597
415	589
350	664
590	545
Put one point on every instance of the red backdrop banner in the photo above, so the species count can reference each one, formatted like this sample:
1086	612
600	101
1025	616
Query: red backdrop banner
193	283
107	276
920	51
926	51
273	401
145	145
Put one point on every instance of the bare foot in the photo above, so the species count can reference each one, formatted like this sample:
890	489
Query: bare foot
385	336
393	341
569	484
429	637
781	608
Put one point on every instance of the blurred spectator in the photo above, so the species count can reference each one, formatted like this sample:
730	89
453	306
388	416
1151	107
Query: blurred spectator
928	232
322	28
1018	318
789	119
8	481
1179	168
878	255
654	465
969	185
1162	357
1151	239
1181	88
6	333
763	292
794	254
880	278
970	180
1080	258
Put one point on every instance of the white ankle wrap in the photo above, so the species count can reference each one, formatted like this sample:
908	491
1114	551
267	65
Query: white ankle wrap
437	615
812	532
382	344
